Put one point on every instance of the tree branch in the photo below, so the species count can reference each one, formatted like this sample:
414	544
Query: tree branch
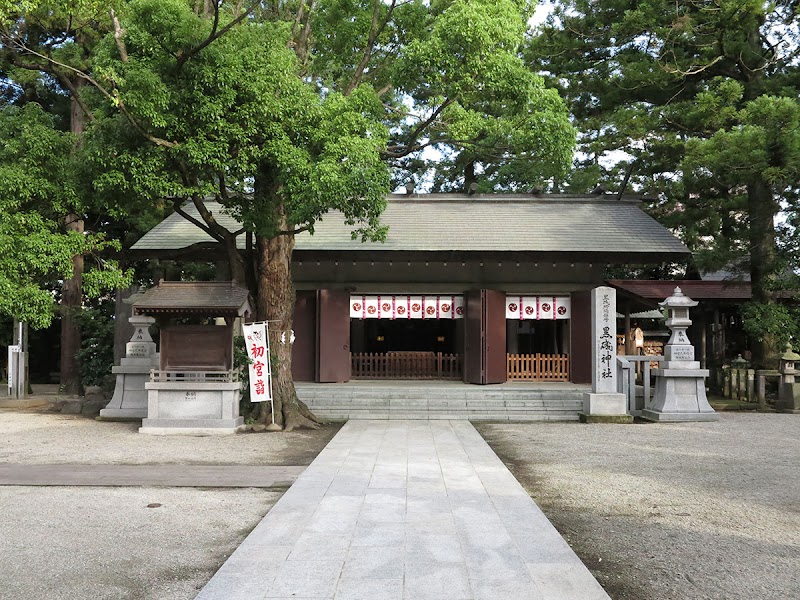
411	143
301	46
692	71
176	205
215	33
375	30
15	60
119	32
295	231
113	98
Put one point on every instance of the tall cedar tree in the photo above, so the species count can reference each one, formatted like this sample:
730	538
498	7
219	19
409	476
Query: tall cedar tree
703	99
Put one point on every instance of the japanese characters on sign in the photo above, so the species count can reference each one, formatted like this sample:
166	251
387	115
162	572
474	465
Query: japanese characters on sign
257	343
604	327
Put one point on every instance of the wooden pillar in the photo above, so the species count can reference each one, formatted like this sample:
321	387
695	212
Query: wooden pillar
629	349
304	349
333	336
485	337
581	337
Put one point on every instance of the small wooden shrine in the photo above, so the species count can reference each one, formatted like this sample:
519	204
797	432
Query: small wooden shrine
195	390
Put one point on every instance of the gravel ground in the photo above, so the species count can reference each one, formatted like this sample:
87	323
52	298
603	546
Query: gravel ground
42	437
97	543
667	512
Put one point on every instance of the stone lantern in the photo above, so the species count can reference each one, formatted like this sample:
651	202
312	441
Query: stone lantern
789	391
130	396
680	391
739	362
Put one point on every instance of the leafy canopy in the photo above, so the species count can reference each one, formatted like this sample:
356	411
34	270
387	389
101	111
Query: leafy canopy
36	189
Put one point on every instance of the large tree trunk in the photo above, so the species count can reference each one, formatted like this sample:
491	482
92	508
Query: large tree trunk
276	298
236	261
72	296
762	209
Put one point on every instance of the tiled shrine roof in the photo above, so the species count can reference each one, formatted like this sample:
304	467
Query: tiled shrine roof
581	226
209	298
695	289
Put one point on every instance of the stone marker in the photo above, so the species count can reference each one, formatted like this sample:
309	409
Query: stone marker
604	403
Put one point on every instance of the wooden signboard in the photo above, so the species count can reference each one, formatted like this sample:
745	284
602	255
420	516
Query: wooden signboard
196	348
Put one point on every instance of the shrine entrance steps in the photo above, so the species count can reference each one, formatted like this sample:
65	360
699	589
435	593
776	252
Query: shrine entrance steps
512	401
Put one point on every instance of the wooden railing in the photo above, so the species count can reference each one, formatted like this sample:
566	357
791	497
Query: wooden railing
405	365
538	367
158	376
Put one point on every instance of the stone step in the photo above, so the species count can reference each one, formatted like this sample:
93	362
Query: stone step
454	401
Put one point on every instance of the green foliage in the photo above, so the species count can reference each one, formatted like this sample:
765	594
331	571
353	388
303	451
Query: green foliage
37	186
240	363
96	356
774	324
234	113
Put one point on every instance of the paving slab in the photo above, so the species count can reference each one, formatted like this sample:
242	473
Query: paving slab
406	510
150	475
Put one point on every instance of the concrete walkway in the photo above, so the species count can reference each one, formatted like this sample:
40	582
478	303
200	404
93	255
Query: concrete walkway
405	509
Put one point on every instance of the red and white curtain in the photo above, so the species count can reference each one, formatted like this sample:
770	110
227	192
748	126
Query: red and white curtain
537	307
406	307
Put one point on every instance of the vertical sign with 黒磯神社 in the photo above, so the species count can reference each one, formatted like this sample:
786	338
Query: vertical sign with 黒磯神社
256	339
604	402
604	339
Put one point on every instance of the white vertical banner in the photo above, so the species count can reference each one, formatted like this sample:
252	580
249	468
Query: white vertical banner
256	337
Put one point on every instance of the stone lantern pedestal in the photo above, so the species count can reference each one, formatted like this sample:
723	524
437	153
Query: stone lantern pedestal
789	390
680	391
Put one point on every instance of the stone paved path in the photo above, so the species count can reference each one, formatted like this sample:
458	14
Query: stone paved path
413	510
150	475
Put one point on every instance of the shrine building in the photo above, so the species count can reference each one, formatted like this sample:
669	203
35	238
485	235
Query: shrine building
477	288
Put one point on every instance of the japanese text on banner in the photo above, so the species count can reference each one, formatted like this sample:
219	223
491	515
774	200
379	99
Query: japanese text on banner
256	340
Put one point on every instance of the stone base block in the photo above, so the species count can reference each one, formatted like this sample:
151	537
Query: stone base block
680	396
192	408
605	404
22	403
678	417
584	418
789	398
194	427
122	414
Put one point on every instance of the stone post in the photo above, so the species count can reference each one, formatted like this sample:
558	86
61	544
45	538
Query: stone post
680	393
604	403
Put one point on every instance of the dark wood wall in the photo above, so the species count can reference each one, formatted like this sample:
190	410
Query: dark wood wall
333	336
304	350
580	344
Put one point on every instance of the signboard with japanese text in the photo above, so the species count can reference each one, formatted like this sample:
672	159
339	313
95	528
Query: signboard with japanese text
604	331
257	343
